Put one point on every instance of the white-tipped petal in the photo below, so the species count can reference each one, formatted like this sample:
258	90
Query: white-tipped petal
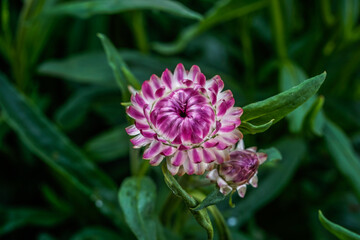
224	187
241	190
254	181
213	175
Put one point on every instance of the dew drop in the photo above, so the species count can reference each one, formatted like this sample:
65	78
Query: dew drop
99	203
232	221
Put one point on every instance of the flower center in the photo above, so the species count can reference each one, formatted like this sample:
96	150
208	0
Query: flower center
182	113
184	116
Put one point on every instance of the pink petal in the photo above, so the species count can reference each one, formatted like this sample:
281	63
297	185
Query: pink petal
140	141
166	78
189	166
155	81
148	133
135	114
147	90
195	155
178	158
179	73
208	155
156	160
154	149
193	71
172	169
160	92
169	151
200	79
132	130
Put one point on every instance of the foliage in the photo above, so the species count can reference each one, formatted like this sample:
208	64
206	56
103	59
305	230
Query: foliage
64	76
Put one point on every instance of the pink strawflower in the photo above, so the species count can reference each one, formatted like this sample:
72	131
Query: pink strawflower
239	171
186	118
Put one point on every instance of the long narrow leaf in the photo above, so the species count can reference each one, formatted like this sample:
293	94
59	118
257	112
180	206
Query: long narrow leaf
337	230
86	9
56	150
343	154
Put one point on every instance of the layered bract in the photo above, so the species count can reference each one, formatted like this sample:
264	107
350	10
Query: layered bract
239	171
186	118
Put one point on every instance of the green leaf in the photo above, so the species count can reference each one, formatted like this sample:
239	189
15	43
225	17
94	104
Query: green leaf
56	150
96	233
272	154
117	64
74	111
343	154
248	128
137	197
109	145
14	218
84	68
278	106
86	9
290	76
316	117
337	230
212	198
271	185
223	11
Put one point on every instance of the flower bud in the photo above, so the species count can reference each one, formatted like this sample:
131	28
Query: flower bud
238	172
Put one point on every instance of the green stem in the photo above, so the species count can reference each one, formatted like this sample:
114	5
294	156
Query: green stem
139	31
224	232
329	18
277	21
134	161
246	44
201	216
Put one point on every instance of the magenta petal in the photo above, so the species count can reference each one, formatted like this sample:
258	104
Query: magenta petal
135	114
189	166
178	158
155	80
211	143
209	156
169	151
154	149
186	131
156	160
221	156
132	130
187	82
141	126
160	92
166	78
194	70
179	72
194	155
172	169
140	141
140	101
200	79
227	128
224	106
177	140
148	133
147	90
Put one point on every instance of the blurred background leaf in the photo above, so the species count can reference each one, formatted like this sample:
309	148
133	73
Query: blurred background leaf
62	105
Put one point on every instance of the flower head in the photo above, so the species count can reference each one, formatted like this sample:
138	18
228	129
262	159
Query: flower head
239	171
186	118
